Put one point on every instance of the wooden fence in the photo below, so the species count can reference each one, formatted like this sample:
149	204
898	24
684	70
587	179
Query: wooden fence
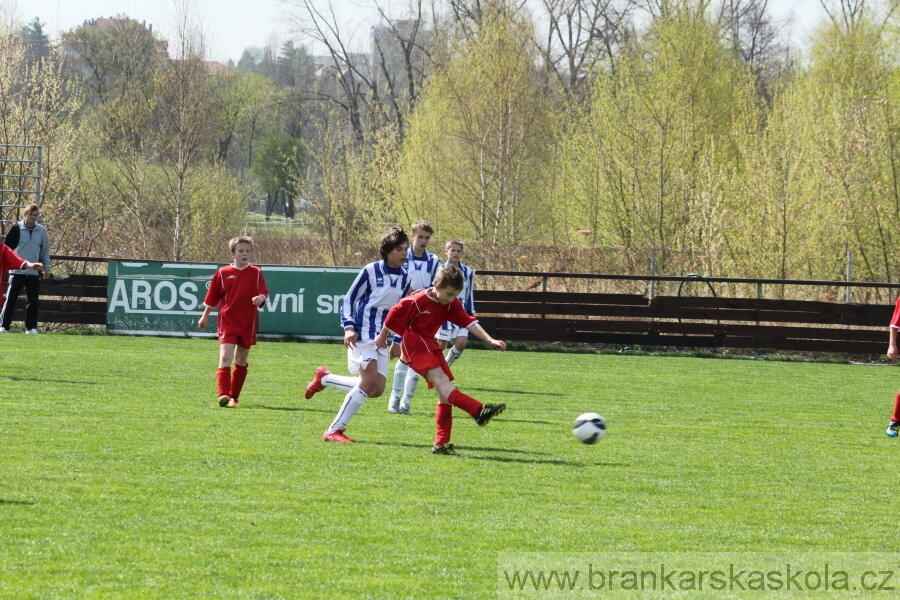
599	318
73	300
684	321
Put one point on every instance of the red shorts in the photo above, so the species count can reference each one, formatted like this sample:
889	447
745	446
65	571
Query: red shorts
244	341
423	355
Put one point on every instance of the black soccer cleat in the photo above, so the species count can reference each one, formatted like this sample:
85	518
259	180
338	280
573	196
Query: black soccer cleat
489	411
448	449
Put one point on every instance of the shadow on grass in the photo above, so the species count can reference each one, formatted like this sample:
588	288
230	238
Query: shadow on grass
506	419
290	409
16	502
527	461
538	461
45	380
422	446
517	392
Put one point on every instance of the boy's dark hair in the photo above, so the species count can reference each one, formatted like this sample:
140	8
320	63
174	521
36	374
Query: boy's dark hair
449	277
420	226
391	240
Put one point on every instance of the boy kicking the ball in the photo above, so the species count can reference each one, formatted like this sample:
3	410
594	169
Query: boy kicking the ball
416	319
238	289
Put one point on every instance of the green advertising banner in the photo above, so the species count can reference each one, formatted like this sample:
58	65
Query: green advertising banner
156	298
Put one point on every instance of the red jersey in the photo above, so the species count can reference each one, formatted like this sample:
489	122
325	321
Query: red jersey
895	319
233	290
422	316
9	261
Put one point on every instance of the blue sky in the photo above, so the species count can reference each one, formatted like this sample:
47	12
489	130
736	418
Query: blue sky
232	25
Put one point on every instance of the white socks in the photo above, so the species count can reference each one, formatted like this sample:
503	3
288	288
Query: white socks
351	404
409	390
452	355
340	382
399	380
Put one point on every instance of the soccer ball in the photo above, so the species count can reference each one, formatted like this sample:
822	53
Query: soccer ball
590	428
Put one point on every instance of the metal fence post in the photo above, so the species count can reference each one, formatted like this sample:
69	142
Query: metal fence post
37	189
849	274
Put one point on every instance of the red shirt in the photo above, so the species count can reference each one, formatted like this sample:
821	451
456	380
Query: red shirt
421	315
895	319
9	261
233	290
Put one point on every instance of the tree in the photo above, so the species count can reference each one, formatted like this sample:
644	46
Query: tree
278	162
38	104
113	56
582	35
37	44
479	142
853	89
642	164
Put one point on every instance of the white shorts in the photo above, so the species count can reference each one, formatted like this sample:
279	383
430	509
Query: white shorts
449	332
364	353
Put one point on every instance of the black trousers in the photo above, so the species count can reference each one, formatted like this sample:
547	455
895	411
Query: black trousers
32	285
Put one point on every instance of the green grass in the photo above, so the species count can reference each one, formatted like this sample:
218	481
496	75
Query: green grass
120	477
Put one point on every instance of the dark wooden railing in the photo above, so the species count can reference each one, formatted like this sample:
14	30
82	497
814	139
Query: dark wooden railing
684	321
602	318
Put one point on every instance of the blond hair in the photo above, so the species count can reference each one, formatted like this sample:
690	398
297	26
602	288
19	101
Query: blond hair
241	239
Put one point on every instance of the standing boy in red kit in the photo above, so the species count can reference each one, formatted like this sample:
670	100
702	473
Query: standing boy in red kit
238	290
416	319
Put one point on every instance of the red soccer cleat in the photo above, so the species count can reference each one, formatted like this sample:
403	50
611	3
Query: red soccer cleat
337	436
316	384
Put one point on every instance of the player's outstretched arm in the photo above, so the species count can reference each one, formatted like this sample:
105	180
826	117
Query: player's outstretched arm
892	345
36	266
480	333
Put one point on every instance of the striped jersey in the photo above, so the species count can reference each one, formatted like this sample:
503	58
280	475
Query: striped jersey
376	289
422	271
467	296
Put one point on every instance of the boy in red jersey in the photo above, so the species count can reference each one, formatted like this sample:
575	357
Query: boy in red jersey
894	425
10	261
416	319
241	290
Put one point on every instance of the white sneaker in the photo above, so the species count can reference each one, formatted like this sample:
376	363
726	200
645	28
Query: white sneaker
32	331
4	330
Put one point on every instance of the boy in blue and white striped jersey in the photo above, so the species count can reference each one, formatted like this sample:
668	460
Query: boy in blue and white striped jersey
423	267
378	287
449	331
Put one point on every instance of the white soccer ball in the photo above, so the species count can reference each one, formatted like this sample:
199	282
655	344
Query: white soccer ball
590	428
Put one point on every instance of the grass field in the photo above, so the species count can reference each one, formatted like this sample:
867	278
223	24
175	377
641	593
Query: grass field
121	478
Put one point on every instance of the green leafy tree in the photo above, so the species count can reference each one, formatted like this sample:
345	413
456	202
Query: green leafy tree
477	155
279	160
642	163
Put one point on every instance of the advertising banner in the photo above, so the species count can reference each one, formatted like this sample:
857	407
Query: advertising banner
157	298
